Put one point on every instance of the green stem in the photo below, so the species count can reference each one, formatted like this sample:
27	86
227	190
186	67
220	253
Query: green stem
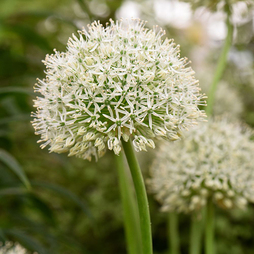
196	235
173	235
130	210
222	62
209	228
144	215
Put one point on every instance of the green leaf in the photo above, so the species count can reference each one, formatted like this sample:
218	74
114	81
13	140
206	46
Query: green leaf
11	162
84	6
15	118
29	35
43	208
4	133
12	191
26	240
53	238
64	192
72	245
2	236
11	89
43	15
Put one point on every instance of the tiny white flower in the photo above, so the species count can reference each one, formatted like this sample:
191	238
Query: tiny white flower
121	81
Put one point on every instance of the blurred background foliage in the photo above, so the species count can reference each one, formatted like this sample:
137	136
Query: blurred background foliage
53	204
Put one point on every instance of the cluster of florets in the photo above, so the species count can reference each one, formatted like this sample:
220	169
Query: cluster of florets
213	161
12	248
113	83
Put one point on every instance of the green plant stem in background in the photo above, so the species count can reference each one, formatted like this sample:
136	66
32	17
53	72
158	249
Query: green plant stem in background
197	226
144	215
220	66
130	210
173	235
209	228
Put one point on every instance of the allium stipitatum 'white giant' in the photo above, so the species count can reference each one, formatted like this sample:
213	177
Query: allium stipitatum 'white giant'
113	82
12	248
215	160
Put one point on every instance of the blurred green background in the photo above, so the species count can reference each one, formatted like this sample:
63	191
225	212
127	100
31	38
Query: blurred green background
74	206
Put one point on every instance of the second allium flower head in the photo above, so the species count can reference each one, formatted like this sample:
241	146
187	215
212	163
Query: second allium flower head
214	161
121	81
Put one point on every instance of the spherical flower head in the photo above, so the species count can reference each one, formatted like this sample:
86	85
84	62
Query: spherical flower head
213	161
116	82
12	248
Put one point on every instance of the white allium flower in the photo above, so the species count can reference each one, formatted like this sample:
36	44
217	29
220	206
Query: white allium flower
213	161
12	248
116	82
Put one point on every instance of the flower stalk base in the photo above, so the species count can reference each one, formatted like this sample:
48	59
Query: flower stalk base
144	215
130	211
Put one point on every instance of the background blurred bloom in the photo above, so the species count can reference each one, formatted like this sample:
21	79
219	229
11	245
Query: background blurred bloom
214	160
115	82
213	5
12	248
228	100
227	97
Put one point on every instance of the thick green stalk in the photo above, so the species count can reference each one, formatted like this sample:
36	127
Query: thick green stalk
173	234
130	210
196	235
222	62
209	228
144	215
